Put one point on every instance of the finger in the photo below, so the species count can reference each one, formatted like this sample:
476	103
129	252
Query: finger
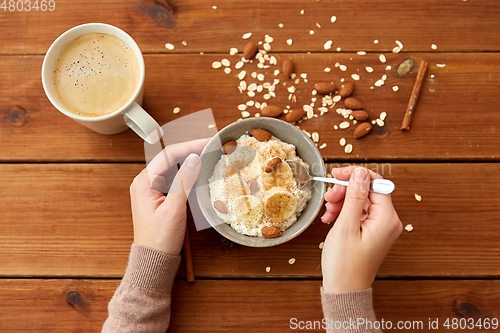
328	217
173	154
334	207
355	199
346	172
183	182
336	194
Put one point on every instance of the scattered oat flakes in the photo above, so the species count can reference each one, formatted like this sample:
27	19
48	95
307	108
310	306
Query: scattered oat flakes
225	62
348	149
184	43
233	51
355	77
177	109
418	197
333	19
216	64
239	65
291	89
311	32
323	146
267	96
374	122
339	49
250	103
395	88
257	115
344	125
211	126
375	41
399	44
361	53
397	49
328	45
169	47
227	70
379	83
318	25
289	41
268	39
343	68
273	60
276	72
251	94
409	227
260	88
315	136
303	75
336	98
382	58
257	105
388	67
380	122
247	35
291	261
214	7
383	115
242	75
441	65
335	127
369	69
261	77
321	245
245	114
327	70
242	107
268	269
384	77
281	25
302	12
434	46
342	142
267	47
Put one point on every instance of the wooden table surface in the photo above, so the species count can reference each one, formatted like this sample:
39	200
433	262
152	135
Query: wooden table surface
64	204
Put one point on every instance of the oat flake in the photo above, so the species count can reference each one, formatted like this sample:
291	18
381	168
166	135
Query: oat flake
342	142
291	261
418	197
409	227
247	35
355	77
245	114
333	19
382	58
169	47
268	269
177	110
216	64
348	149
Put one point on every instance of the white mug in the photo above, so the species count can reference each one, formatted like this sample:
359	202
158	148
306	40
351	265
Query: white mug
130	115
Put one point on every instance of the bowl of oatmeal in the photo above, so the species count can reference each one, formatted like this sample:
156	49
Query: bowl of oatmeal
246	189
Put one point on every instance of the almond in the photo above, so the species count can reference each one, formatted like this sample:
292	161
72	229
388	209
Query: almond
346	90
250	50
288	68
273	165
360	115
271	232
271	111
220	206
353	103
325	88
261	135
254	186
362	130
295	115
229	147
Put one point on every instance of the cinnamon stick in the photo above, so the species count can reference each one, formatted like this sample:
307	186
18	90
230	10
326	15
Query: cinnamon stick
410	110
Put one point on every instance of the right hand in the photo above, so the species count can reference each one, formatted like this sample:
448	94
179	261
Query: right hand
355	247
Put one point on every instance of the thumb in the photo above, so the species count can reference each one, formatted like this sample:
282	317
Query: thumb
356	196
183	182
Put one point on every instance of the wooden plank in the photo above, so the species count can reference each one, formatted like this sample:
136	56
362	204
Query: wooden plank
73	220
243	306
452	25
455	119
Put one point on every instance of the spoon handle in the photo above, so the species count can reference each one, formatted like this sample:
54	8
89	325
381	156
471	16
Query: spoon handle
383	186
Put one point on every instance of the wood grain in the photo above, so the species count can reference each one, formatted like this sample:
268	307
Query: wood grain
73	220
452	25
456	117
243	306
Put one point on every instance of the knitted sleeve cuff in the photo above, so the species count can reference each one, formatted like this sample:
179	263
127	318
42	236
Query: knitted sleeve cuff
348	307
150	269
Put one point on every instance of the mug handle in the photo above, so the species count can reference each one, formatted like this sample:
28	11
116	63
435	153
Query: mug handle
143	124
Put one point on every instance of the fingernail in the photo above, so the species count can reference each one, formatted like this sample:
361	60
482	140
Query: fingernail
193	161
360	175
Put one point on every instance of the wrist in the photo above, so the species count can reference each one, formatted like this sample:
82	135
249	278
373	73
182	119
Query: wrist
338	287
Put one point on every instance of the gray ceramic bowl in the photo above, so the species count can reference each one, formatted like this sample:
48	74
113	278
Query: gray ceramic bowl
305	149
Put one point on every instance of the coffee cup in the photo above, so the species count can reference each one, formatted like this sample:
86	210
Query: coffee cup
94	74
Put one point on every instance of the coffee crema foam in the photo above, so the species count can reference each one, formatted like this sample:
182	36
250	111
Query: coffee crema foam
95	74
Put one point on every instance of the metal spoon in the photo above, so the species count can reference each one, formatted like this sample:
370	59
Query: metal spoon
302	176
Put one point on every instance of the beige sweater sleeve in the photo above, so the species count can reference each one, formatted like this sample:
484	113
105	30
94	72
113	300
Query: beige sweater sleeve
350	312
142	301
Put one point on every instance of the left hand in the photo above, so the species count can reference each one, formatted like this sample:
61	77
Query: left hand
159	220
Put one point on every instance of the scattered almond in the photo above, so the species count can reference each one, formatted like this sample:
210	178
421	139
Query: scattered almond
346	90
324	88
360	115
273	165
229	147
271	111
295	115
288	68
270	232
362	130
220	206
261	135
250	50
353	103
